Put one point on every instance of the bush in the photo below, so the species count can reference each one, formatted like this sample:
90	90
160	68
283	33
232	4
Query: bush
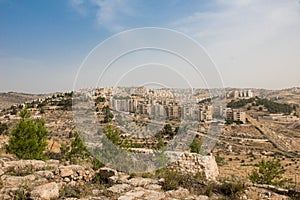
3	128
172	179
77	152
232	188
113	135
220	160
160	145
108	116
100	99
269	172
97	164
28	138
196	145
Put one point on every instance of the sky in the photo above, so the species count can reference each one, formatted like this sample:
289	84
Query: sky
253	43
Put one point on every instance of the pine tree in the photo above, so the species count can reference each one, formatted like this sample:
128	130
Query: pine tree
28	138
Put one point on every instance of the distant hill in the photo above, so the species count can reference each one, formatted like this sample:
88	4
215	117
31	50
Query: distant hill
10	98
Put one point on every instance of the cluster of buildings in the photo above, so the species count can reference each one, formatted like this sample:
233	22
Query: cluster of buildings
162	109
161	104
241	94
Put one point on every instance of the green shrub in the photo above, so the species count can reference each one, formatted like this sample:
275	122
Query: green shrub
269	172
160	145
220	161
28	138
113	135
97	164
77	152
196	145
100	99
108	116
3	128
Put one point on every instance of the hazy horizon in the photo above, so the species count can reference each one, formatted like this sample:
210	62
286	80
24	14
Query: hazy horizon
226	88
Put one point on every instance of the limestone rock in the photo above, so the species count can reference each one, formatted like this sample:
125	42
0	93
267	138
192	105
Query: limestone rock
45	174
119	188
24	165
154	195
192	163
65	171
132	195
179	193
8	180
47	191
141	182
202	197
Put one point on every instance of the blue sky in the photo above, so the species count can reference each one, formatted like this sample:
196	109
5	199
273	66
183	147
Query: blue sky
255	43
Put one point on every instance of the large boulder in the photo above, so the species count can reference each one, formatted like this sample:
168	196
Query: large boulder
209	167
47	191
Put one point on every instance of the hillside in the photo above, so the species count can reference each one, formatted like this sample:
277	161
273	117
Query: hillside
11	98
238	149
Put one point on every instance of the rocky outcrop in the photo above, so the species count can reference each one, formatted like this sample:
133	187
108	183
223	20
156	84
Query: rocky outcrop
40	180
75	173
49	180
192	163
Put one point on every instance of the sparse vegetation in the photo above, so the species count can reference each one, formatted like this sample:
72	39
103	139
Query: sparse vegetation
21	193
269	172
172	179
232	188
72	192
3	128
77	152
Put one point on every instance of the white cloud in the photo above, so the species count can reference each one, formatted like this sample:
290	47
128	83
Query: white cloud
109	13
249	37
78	5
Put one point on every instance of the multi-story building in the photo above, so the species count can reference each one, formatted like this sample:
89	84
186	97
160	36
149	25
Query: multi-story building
236	115
205	113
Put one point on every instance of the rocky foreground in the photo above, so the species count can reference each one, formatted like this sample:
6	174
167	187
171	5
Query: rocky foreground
45	180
